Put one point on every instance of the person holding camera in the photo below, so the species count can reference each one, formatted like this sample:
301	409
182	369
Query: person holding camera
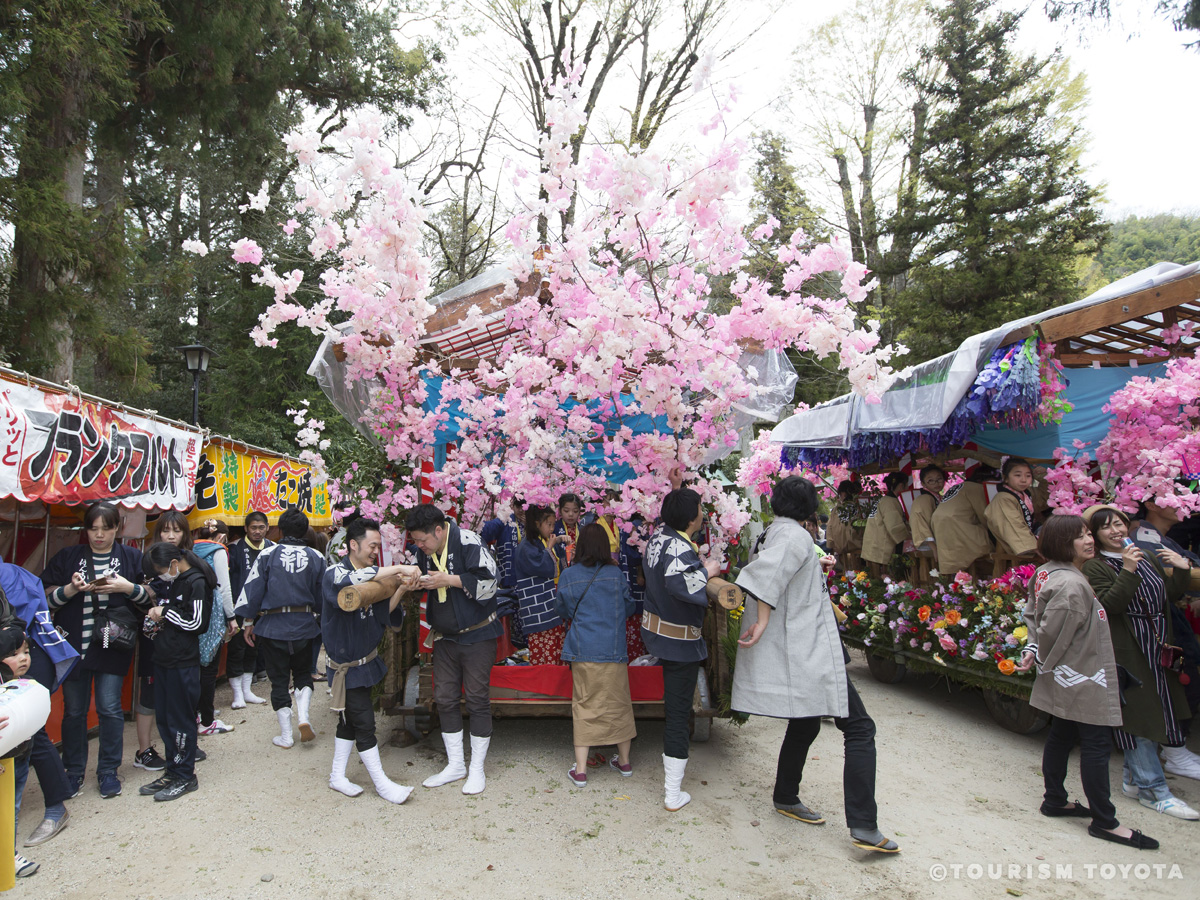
96	598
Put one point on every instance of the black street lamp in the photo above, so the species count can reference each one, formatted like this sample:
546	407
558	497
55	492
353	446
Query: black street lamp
196	356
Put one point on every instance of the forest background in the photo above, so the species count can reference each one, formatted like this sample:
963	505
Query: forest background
929	138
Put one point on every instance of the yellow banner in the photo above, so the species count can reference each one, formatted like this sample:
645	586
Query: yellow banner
231	483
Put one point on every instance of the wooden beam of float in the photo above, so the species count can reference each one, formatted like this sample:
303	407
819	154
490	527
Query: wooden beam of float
354	597
726	593
1122	309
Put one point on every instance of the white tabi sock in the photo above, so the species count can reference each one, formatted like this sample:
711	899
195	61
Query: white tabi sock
246	692
284	738
303	701
384	786
239	701
455	768
337	775
475	779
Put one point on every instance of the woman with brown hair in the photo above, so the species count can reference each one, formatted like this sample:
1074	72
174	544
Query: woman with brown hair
1010	516
1077	679
1136	592
593	595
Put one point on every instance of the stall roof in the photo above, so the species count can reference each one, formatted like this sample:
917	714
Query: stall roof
1121	324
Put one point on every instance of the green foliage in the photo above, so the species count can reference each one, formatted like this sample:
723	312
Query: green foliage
1004	211
1137	242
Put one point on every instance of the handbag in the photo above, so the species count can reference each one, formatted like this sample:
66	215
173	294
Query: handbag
117	628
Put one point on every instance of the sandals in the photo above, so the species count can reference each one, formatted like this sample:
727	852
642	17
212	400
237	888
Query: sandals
1137	840
886	845
800	812
596	760
1077	810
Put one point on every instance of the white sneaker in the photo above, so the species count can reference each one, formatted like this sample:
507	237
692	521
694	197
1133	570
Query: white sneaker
25	867
1182	762
1172	806
1129	790
217	727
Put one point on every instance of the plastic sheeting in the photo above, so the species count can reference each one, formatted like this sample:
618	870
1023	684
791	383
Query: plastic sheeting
925	395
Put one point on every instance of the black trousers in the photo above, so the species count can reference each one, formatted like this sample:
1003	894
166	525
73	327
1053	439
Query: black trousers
679	689
284	659
44	758
357	721
463	672
208	690
858	772
176	693
1095	747
240	657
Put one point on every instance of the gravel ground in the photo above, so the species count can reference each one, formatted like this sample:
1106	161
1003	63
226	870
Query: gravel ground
954	790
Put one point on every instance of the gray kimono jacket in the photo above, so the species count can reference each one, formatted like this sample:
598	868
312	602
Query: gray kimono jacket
797	669
1069	636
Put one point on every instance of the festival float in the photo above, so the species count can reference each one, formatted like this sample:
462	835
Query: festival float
1108	379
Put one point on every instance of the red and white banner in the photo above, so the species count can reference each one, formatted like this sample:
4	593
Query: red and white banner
62	448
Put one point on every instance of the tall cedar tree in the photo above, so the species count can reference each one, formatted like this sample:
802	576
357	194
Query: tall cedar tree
1004	212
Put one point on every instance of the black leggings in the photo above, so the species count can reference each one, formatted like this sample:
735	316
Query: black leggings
357	721
858	772
208	690
679	689
1095	747
286	659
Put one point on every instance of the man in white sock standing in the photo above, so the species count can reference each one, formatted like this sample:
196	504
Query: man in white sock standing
353	665
460	576
240	659
280	604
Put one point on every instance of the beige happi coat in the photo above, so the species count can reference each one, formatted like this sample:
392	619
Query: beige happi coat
920	518
886	528
1069	636
1006	522
958	529
797	669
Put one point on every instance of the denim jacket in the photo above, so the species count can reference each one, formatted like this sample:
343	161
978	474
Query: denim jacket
597	632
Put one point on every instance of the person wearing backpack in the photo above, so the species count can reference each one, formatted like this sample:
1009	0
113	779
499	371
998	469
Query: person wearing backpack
181	618
209	544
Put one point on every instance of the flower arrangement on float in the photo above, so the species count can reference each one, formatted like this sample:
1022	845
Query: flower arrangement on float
974	626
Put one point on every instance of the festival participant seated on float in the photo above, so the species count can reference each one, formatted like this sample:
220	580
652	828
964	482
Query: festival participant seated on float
353	665
887	529
958	525
570	510
181	618
593	594
920	517
460	576
1010	515
85	585
1137	594
279	605
676	601
1076	679
841	535
535	573
791	665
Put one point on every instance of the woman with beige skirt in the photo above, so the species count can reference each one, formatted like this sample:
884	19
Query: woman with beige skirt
593	595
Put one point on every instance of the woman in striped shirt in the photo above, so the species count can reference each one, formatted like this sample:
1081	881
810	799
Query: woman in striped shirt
81	583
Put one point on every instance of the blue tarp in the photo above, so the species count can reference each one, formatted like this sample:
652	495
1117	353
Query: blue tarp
1088	391
594	461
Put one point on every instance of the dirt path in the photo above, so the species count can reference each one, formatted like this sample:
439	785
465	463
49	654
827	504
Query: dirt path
954	790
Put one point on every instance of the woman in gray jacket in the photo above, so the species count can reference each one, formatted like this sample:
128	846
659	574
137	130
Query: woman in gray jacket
1077	679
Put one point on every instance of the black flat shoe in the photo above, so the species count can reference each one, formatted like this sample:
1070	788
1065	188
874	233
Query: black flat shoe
1137	840
1078	810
